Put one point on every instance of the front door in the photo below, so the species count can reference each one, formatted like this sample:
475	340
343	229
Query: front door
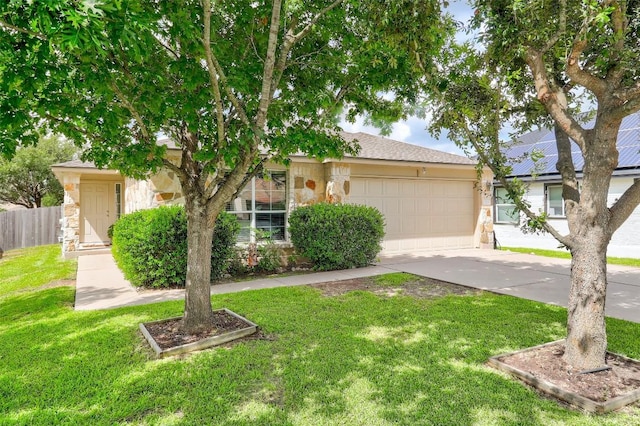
97	204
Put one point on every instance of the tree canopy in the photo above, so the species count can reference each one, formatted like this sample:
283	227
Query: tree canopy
233	84
27	180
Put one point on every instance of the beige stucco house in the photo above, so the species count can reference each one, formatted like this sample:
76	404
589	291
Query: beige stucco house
430	199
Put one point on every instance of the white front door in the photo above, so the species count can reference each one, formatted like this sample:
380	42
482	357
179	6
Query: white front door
97	204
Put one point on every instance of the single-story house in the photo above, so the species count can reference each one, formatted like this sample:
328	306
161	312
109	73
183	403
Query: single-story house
430	199
545	190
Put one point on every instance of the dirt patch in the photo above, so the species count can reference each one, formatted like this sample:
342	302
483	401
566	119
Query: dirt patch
58	283
49	285
546	363
422	287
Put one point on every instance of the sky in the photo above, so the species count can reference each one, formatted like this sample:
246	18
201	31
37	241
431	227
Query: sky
414	130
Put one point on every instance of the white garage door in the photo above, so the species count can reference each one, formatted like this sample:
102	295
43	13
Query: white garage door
420	214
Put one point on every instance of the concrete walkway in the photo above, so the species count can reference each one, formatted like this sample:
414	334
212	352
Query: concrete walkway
100	284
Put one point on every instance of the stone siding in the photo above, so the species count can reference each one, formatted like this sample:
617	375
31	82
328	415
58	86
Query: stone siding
71	209
338	178
162	188
306	184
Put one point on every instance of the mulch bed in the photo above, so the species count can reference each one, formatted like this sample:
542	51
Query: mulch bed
168	334
546	363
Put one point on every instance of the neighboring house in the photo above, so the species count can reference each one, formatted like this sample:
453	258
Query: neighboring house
545	190
429	198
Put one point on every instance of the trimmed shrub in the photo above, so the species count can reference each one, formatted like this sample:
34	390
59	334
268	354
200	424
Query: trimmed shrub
337	236
225	235
150	246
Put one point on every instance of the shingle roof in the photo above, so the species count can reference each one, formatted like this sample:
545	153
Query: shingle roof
381	148
372	148
544	141
76	164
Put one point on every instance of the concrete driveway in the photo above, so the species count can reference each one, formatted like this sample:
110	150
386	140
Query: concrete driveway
522	275
100	284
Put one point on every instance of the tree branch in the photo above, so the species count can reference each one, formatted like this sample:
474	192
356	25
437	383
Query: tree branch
628	94
629	107
520	205
165	46
232	97
625	205
269	66
618	19
8	26
314	20
213	77
169	165
132	110
562	27
554	100
290	40
565	165
575	72
90	136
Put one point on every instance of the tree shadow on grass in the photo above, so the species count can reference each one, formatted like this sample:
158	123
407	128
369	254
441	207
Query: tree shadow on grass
350	360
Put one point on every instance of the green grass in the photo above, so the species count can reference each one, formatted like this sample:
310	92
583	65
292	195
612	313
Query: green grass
356	359
393	279
564	254
33	267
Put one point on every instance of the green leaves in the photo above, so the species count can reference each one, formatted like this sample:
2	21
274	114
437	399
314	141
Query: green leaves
337	236
116	73
150	246
27	179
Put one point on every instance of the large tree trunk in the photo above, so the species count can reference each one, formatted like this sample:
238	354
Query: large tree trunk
589	225
197	304
586	343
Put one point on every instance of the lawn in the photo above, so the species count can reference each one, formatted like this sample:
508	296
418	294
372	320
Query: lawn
354	359
564	254
33	267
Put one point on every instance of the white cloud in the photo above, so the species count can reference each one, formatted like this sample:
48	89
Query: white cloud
401	131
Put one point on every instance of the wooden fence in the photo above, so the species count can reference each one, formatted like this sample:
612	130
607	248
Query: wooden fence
29	227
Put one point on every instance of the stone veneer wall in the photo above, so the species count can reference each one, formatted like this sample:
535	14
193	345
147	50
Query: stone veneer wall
307	184
337	176
71	209
312	183
161	189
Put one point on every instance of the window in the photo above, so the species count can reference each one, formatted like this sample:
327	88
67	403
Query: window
555	203
506	211
262	205
118	193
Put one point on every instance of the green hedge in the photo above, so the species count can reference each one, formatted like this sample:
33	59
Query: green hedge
150	246
337	236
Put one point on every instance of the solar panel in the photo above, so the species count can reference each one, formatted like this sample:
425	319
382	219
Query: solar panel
543	140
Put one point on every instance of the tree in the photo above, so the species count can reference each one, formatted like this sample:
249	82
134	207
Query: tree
27	180
234	84
562	55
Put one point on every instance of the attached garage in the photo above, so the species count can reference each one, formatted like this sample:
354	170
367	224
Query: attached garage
420	214
430	199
